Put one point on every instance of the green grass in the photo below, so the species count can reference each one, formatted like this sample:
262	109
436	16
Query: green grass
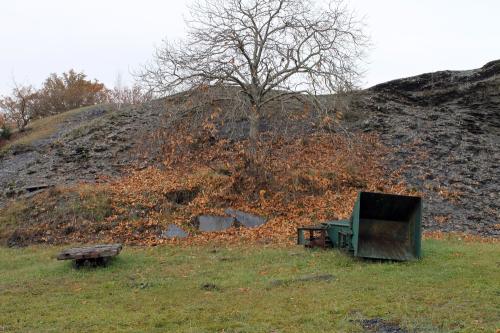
455	288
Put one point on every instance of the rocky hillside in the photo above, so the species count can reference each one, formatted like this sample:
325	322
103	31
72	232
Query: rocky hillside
444	128
87	145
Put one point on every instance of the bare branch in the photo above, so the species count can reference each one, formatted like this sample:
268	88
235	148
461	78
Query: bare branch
268	49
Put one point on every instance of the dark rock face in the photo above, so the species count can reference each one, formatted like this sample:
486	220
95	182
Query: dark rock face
445	128
246	219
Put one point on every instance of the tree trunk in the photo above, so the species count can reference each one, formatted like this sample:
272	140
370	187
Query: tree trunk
254	132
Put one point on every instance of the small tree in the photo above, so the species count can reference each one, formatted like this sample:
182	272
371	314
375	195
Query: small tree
268	49
68	91
19	107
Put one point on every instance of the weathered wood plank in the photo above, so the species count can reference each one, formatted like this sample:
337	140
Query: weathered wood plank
90	252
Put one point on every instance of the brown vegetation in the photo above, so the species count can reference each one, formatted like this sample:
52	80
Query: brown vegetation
20	106
302	181
440	235
68	91
58	94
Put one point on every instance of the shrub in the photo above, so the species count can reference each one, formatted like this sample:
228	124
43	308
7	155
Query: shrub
68	91
5	132
19	106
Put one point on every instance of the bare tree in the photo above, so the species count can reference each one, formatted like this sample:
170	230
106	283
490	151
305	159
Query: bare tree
122	95
268	49
19	106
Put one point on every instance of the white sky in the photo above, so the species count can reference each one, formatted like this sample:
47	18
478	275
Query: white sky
108	37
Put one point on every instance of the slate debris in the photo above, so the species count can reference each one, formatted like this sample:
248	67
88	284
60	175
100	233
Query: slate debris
95	142
246	219
236	218
445	130
305	278
378	325
36	187
210	223
173	231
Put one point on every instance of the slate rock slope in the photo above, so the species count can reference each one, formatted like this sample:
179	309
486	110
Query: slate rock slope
94	143
445	128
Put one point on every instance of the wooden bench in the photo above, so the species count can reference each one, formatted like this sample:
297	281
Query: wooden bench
98	255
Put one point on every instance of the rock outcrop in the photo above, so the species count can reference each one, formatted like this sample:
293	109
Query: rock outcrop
445	129
93	143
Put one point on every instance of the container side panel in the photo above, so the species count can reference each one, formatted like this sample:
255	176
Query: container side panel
385	240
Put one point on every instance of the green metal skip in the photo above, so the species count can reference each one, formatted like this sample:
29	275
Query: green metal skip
382	226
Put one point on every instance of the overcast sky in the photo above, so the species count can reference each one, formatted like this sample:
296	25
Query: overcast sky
105	38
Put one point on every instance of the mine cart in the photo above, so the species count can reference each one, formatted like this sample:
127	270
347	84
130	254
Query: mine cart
382	226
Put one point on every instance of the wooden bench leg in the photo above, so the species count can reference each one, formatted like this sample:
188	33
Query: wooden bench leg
93	262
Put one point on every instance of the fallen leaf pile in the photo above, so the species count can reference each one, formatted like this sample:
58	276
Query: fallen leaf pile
293	183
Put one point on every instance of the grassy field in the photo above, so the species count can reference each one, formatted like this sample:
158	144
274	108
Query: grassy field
455	288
